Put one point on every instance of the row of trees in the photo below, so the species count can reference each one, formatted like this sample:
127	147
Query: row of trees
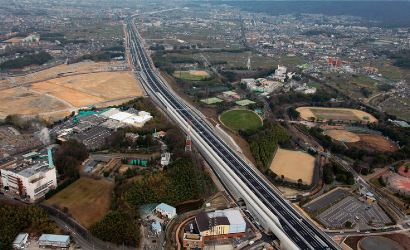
19	63
14	219
63	185
102	57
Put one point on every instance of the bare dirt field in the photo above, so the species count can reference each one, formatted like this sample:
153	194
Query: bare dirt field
294	165
343	135
335	114
372	142
198	73
56	116
5	83
76	68
20	101
86	89
88	200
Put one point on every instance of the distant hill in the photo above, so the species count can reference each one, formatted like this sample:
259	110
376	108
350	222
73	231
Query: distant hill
371	10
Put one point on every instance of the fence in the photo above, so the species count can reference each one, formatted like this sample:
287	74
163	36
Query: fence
81	230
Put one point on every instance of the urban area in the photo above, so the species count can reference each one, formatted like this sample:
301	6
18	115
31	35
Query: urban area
204	125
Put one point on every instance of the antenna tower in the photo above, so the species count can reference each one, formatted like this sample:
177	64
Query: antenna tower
188	138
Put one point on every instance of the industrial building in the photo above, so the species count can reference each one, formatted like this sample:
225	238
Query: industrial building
30	180
54	240
219	224
166	210
92	128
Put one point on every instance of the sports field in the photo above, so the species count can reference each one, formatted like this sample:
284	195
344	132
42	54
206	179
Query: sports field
343	135
193	75
238	119
211	100
88	200
293	165
335	114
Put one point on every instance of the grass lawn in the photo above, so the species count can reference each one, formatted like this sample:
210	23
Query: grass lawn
290	60
186	75
237	119
316	85
88	200
376	182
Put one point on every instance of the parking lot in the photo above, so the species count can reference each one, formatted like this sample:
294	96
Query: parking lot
325	200
353	210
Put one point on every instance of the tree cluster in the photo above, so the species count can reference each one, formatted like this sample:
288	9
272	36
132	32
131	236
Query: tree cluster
69	156
118	227
342	175
15	219
176	184
264	140
102	57
19	63
115	48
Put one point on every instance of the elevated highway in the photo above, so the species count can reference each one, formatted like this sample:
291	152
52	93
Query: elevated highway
272	211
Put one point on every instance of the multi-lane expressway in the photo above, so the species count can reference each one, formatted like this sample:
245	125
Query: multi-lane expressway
275	213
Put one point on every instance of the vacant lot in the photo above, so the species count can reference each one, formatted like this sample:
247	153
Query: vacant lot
87	89
335	114
88	200
372	142
237	119
76	68
21	101
294	165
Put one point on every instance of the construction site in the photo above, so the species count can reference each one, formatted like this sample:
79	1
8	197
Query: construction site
55	92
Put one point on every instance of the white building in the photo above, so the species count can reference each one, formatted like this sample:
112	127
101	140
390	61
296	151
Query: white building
132	119
54	240
280	71
248	81
30	181
165	157
166	210
20	241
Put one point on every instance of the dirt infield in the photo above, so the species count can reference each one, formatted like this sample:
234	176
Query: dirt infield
335	114
402	171
198	73
343	135
372	142
20	101
86	89
399	182
294	165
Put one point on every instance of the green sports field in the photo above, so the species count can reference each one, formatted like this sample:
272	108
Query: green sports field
237	119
